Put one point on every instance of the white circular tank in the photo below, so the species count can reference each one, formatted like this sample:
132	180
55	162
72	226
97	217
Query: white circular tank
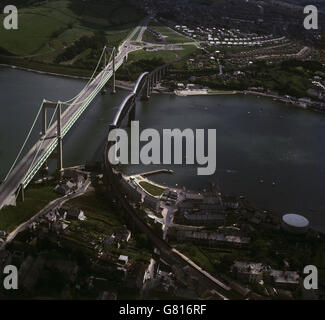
295	223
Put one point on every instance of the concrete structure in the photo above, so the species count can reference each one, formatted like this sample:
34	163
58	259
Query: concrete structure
285	279
248	272
295	223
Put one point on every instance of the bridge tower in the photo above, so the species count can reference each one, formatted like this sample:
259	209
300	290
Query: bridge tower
113	78
46	105
44	128
22	193
59	137
105	58
58	107
103	91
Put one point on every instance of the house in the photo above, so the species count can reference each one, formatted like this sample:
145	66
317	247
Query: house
110	240
62	189
122	235
231	202
211	239
248	272
180	86
284	279
73	213
123	260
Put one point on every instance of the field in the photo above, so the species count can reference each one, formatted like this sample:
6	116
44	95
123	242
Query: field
102	221
36	197
151	189
141	60
45	30
169	35
166	55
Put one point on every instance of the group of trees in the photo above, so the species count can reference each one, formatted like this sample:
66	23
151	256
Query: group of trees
130	72
288	77
95	43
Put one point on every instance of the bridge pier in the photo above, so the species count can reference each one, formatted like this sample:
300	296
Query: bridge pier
44	119
111	127
146	91
131	114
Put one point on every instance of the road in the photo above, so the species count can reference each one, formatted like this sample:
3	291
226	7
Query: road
25	170
143	29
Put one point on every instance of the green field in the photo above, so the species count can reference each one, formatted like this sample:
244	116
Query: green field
102	221
47	29
166	55
151	189
197	255
36	197
170	35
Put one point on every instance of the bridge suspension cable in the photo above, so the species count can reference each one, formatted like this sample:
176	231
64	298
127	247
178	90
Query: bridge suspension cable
27	137
99	83
43	139
90	79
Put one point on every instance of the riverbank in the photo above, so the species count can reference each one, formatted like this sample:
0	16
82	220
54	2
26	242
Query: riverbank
119	83
199	92
303	103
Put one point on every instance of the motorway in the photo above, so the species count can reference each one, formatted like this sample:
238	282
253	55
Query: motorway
28	166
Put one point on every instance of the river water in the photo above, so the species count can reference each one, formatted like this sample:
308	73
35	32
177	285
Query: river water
270	152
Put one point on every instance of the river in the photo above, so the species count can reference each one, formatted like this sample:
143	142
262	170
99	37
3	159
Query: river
270	152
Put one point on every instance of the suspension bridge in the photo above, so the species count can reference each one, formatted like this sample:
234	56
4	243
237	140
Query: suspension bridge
24	169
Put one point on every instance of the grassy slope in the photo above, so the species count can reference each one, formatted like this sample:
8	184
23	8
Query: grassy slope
166	55
36	24
152	189
35	199
171	36
46	29
102	220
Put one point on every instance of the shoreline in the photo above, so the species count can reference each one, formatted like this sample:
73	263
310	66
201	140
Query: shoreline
180	93
209	92
119	83
247	203
10	66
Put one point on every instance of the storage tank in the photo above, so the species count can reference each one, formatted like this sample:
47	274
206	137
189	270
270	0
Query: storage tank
295	223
